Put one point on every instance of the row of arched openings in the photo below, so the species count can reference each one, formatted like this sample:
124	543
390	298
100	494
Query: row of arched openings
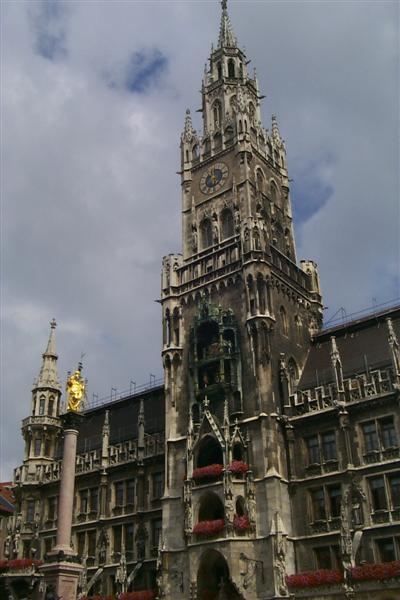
211	233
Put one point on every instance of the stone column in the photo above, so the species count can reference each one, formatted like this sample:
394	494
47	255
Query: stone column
67	487
62	566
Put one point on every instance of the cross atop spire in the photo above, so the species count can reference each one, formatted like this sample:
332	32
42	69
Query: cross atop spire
48	376
226	35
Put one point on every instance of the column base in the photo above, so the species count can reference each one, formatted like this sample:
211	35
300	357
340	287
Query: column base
61	574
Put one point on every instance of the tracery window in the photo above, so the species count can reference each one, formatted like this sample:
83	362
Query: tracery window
206	233
227	223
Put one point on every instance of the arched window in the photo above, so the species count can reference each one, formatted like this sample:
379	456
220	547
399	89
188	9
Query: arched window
240	506
211	507
252	112
237	452
51	406
260	181
218	141
210	452
195	151
231	68
217	113
261	294
207	147
274	193
250	285
256	238
175	326
227	228
206	233
228	135
284	322
219	70
240	127
42	402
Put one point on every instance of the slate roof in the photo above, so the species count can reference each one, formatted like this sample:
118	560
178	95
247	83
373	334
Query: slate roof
123	417
362	344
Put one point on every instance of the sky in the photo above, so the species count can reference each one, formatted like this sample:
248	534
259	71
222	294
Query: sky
93	99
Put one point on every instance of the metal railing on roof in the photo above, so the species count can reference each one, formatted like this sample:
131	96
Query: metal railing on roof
116	396
371	311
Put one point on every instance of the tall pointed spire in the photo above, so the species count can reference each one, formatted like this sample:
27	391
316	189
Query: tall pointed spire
226	36
48	376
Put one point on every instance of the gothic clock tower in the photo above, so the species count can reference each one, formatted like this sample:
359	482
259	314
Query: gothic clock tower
238	312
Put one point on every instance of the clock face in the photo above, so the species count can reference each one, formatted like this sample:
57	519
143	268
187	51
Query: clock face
214	178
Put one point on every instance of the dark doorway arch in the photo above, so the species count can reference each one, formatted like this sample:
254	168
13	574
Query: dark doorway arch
213	578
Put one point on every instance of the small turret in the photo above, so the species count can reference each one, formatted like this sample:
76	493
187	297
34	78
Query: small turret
226	38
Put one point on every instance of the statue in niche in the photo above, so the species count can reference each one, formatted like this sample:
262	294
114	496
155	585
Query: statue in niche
103	542
237	218
215	229
17	539
188	517
195	241
7	544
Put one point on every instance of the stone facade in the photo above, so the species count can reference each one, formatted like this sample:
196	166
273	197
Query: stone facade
272	448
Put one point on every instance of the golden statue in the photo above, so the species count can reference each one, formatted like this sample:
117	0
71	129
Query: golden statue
75	391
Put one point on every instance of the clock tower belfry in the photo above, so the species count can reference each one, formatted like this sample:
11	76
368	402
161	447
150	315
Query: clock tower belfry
238	313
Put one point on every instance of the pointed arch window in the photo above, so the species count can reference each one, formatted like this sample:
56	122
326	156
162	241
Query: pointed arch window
42	402
206	233
231	68
274	193
217	141
227	228
229	135
37	446
195	151
51	406
219	70
260	181
217	113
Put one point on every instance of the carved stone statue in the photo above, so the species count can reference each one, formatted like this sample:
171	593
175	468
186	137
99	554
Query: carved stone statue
195	241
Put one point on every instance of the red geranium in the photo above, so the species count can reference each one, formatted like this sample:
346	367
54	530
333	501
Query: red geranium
376	571
241	523
238	467
23	563
211	471
209	528
311	579
143	595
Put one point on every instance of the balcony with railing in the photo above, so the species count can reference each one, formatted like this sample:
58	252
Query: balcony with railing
360	387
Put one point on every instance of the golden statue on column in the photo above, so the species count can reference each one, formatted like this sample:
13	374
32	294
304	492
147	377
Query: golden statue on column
75	390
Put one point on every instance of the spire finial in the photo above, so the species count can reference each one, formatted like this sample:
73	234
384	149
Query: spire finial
226	36
48	376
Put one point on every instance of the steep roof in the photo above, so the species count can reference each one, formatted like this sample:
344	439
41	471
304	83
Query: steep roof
362	344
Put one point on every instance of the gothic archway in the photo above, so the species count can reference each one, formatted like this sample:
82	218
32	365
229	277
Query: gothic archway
213	578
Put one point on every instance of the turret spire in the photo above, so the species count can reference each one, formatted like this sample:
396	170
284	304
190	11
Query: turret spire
226	36
48	376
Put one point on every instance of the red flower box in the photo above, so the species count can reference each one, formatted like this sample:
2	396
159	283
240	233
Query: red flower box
238	467
311	579
143	595
241	523
376	571
23	563
209	472
209	528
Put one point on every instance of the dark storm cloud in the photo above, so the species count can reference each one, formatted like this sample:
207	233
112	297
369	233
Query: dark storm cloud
90	198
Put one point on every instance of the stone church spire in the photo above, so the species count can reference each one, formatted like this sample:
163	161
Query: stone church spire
227	38
48	376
